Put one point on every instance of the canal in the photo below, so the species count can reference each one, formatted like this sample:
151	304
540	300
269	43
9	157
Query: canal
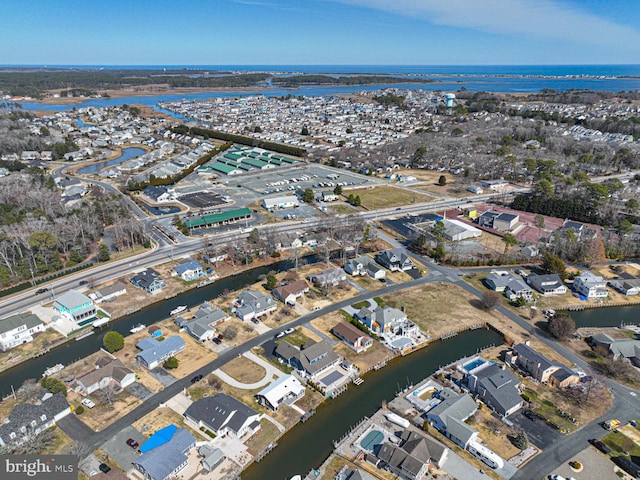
308	444
607	317
75	350
127	154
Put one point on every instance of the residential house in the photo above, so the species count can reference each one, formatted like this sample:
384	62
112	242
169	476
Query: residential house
286	389
497	387
111	292
626	284
18	329
27	420
387	321
450	414
149	280
536	364
413	457
250	305
547	285
498	280
223	415
290	292
202	324
155	352
75	306
108	371
590	286
355	339
563	377
311	361
188	270
364	266
165	453
517	288
330	276
626	348
396	260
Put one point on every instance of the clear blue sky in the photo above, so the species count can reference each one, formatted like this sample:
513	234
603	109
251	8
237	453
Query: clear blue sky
365	32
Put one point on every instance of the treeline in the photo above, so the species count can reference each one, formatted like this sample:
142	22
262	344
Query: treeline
298	80
134	186
240	139
574	208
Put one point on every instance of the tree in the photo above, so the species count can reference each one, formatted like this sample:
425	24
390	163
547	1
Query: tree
308	195
356	201
171	363
113	341
338	190
28	391
272	282
442	181
54	385
632	205
553	264
521	441
79	449
103	252
107	394
561	326
230	332
490	299
304	131
509	240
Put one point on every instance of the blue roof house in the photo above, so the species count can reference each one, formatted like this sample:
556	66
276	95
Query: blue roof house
155	352
189	270
165	453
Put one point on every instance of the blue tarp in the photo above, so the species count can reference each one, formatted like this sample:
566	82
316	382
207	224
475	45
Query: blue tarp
161	437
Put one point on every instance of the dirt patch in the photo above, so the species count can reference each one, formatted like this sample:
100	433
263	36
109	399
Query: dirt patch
494	433
160	418
103	413
268	433
244	370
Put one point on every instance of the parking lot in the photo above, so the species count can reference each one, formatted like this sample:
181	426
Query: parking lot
201	199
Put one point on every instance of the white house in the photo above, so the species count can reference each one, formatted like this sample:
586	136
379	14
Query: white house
188	270
287	389
547	285
590	285
252	304
273	203
18	329
108	371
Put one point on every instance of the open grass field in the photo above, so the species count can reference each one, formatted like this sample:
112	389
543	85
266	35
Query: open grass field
624	441
386	197
343	209
244	370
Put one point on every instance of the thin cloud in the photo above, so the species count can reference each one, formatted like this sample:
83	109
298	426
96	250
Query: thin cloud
544	19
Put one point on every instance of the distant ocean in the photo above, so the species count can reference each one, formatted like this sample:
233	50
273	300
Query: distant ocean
488	78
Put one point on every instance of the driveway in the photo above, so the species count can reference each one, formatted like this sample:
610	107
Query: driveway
164	377
75	428
119	452
540	434
139	391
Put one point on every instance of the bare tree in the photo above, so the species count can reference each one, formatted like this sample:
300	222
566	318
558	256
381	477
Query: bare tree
107	394
79	449
28	391
490	299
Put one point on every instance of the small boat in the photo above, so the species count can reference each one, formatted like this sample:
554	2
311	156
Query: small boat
138	327
296	477
178	310
52	370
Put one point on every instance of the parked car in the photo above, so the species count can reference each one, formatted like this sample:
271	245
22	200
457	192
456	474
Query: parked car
42	290
279	335
88	403
529	414
196	379
104	468
216	340
255	320
600	445
132	443
289	331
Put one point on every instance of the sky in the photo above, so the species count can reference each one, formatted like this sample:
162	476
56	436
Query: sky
320	32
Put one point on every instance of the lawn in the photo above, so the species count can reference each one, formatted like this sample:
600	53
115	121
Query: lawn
301	337
387	197
27	350
268	433
343	209
244	370
621	444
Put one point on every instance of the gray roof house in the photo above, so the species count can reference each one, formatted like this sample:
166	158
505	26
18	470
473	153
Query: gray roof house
364	266
497	387
413	457
202	324
547	284
330	276
498	280
155	352
387	321
223	415
517	288
532	362
626	348
18	329
26	420
108	371
106	294
450	414
164	454
148	280
395	260
75	306
250	304
310	361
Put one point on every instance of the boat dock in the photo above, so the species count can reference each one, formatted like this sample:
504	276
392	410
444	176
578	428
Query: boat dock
308	415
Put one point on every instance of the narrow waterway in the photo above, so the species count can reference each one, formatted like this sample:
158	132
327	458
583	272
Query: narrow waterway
607	317
127	154
308	444
75	350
